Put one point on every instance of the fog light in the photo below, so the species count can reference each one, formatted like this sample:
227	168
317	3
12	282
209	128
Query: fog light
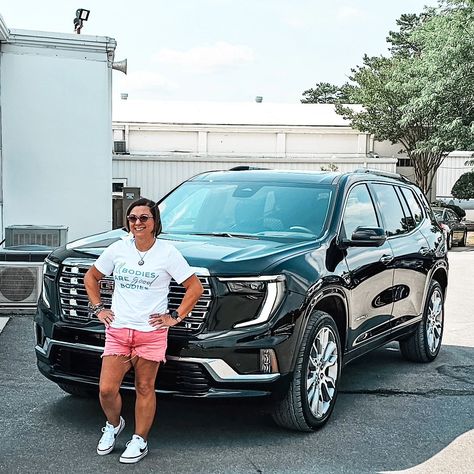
268	361
39	335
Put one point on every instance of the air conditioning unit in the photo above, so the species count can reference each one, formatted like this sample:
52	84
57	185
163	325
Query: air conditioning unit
49	236
120	147
20	284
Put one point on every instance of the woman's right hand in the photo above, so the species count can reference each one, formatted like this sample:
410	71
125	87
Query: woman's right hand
106	316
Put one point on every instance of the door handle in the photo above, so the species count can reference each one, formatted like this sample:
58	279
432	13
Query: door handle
424	251
386	258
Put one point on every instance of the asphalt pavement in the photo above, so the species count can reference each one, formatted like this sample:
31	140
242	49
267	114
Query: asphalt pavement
391	415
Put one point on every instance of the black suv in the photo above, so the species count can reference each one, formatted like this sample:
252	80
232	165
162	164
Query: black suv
302	273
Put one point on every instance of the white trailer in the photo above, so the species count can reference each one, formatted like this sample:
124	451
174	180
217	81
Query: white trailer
56	130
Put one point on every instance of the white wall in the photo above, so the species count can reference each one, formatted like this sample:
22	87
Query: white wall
386	149
243	139
450	170
156	175
56	131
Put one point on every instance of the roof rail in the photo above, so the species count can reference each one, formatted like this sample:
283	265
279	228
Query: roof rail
387	174
246	168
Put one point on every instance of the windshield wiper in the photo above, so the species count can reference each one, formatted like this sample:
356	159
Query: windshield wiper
226	234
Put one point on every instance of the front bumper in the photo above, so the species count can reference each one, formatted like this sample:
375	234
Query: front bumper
193	369
74	363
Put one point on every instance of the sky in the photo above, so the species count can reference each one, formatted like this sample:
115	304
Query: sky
225	50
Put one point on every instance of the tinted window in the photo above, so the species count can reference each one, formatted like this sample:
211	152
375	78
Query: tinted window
391	209
413	204
254	208
409	222
452	216
359	211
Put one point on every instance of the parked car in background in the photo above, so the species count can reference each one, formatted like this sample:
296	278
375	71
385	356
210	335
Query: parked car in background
302	271
457	229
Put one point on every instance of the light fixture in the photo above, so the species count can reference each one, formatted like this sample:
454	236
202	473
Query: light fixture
81	15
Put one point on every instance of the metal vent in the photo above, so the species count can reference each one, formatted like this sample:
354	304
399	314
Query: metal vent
20	284
73	297
49	236
120	146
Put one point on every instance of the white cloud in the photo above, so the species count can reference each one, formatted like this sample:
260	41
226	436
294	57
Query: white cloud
206	59
145	80
141	84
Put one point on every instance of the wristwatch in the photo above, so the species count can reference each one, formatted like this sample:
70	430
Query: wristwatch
175	315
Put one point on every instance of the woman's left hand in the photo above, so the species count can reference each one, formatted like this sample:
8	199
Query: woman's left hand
161	321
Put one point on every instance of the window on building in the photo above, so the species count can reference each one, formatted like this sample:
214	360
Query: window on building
405	162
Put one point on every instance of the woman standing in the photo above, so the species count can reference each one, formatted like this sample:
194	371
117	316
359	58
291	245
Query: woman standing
137	324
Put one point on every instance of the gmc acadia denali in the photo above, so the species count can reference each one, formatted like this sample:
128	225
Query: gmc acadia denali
302	271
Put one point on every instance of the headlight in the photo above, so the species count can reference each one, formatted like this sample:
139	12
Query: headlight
50	268
246	287
273	287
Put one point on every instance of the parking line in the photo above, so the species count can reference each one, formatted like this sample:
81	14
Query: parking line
3	323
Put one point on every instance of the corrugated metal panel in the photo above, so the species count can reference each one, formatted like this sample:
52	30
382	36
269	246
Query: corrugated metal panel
448	173
156	175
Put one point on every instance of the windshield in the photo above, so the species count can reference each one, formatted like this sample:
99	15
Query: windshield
249	210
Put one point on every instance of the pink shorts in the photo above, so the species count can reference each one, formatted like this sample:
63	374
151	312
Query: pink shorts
130	342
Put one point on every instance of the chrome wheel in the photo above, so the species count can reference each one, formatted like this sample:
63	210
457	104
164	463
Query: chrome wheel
424	344
312	393
434	321
323	370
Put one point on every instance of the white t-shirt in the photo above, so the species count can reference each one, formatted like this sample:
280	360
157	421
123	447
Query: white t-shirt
141	290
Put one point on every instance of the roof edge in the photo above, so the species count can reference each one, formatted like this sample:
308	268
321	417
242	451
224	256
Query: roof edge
4	31
65	41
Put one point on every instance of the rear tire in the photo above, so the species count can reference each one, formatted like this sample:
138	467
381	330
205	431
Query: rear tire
424	344
77	391
449	244
312	394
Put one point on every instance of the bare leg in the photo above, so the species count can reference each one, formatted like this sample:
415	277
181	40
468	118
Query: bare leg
114	368
145	405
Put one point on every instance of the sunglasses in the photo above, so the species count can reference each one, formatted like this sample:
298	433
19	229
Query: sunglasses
143	218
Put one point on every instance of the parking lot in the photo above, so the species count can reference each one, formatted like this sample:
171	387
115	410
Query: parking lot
391	415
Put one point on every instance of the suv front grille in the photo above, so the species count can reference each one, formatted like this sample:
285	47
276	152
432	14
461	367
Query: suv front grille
74	301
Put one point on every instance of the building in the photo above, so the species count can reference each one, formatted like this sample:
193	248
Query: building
157	144
55	133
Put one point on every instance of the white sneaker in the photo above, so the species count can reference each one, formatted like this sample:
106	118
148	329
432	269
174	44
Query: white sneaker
137	448
110	433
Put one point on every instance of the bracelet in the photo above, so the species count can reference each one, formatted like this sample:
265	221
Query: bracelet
95	309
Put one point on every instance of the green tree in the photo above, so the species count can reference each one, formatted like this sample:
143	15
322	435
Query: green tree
422	96
464	187
326	93
402	41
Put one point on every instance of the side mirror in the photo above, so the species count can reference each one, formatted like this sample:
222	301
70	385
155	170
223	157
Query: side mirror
366	237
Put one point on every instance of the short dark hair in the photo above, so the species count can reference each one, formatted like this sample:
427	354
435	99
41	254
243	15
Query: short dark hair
155	212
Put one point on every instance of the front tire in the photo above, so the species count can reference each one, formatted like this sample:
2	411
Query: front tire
463	241
311	397
450	241
424	344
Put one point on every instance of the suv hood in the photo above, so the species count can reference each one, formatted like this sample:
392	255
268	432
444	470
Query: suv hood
220	255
